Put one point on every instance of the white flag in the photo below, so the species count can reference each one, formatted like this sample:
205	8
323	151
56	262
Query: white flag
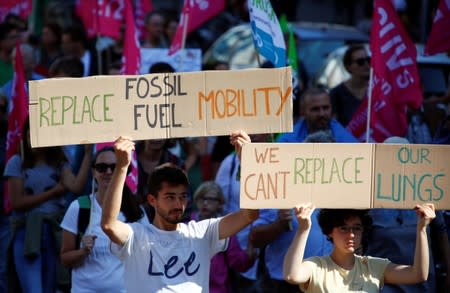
267	34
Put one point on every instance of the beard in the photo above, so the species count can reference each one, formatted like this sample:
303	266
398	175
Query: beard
174	216
323	123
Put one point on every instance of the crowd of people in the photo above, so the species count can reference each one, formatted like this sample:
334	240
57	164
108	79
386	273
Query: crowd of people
75	226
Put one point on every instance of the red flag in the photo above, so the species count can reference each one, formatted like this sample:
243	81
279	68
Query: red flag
131	52
143	7
180	35
439	39
130	65
395	81
193	15
17	116
21	8
102	17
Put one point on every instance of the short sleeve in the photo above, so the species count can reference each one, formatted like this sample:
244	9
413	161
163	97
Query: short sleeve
13	167
125	250
317	263
377	267
212	233
70	220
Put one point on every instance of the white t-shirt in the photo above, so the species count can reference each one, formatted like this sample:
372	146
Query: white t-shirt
170	261
101	271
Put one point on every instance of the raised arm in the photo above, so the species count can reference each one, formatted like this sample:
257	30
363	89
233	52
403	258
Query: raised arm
116	230
418	272
295	269
235	222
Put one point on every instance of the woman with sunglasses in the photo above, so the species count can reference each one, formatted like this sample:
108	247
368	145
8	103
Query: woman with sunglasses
347	96
38	180
94	268
345	269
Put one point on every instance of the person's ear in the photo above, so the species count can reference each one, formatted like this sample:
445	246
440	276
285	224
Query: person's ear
151	200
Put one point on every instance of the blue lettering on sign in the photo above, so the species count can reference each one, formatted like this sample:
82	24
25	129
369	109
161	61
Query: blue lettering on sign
171	270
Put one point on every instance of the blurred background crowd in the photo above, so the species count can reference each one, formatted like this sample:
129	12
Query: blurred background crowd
331	39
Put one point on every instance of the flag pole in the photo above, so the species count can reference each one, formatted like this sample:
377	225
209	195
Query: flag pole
184	35
369	104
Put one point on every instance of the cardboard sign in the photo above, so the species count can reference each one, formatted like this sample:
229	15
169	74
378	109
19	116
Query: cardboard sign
154	106
336	175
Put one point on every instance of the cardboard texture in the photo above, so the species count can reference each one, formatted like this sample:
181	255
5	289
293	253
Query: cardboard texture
337	175
154	106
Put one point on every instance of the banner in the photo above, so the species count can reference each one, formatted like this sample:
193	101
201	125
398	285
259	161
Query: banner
208	103
395	78
439	39
338	175
267	35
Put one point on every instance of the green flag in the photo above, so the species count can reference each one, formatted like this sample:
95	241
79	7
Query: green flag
292	50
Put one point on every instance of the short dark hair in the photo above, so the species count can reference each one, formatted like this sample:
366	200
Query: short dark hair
5	29
68	65
161	67
150	14
347	59
77	33
312	91
170	174
332	218
102	150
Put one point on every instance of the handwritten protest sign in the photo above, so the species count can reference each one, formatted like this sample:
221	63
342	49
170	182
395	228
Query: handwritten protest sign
100	108
335	175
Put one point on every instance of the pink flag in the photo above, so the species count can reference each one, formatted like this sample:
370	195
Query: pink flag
180	35
193	15
17	116
21	8
102	17
143	7
395	81
131	52
439	39
131	61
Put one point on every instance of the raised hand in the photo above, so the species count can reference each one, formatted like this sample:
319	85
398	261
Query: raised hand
238	139
123	146
303	213
425	213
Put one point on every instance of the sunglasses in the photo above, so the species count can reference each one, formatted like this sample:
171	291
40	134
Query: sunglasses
362	61
103	167
357	229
